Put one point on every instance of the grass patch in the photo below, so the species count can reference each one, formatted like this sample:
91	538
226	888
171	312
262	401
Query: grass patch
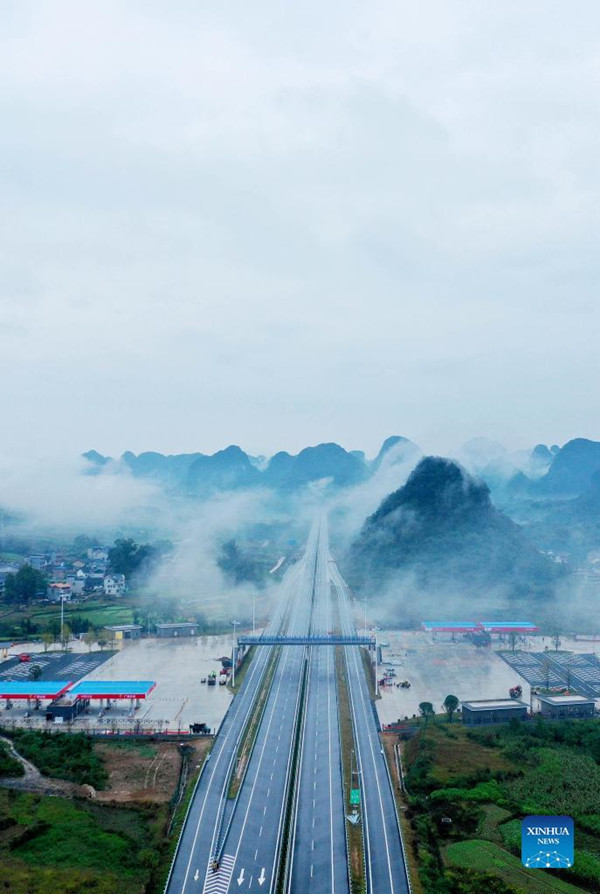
68	756
9	766
407	831
240	674
142	749
487	857
53	845
455	753
350	776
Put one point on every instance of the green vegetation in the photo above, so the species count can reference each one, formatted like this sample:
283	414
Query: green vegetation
470	789
62	756
484	856
24	585
241	567
241	672
451	703
40	618
350	775
53	845
9	766
128	557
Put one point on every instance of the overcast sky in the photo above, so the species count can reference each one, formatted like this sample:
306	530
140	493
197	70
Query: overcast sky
276	224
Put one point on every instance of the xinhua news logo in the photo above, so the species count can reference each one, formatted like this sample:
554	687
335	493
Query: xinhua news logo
547	842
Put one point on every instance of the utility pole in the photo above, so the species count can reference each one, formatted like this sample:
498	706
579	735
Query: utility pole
233	656
62	619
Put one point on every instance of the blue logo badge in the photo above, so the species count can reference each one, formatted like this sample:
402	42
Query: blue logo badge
547	842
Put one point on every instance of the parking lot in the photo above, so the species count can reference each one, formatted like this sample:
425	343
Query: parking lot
53	665
177	667
437	669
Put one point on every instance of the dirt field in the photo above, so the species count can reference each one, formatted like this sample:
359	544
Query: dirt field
148	771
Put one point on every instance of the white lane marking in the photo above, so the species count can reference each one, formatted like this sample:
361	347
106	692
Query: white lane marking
218	882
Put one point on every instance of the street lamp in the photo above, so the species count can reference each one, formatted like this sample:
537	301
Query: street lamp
62	619
233	650
253	613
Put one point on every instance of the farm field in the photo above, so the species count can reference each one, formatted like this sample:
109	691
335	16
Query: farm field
468	791
485	856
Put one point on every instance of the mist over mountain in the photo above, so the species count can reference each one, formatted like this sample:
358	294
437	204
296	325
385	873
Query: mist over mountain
440	536
198	474
572	469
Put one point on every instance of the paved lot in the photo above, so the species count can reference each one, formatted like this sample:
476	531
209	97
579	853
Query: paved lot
177	666
438	669
54	665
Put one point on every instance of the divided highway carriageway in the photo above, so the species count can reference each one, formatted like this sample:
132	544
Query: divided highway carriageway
275	820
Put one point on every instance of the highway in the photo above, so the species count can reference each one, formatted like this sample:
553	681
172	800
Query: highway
384	854
301	709
318	846
193	854
252	848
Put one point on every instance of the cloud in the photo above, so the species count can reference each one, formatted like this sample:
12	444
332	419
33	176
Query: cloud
227	224
57	496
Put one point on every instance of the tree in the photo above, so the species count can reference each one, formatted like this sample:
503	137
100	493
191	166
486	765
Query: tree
426	709
48	640
450	705
89	639
512	638
24	585
126	556
65	635
35	672
102	642
556	640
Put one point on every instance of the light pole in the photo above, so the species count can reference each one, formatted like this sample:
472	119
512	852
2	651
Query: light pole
233	650
253	613
365	615
62	619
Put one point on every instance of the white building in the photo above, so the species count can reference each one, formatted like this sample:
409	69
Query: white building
114	584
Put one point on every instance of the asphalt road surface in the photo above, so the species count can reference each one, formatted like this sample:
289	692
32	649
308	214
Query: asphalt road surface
191	863
384	854
247	834
318	852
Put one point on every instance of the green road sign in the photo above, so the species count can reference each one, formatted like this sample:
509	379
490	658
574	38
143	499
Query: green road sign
355	796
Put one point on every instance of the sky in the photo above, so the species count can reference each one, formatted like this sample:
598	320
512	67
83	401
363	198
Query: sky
278	224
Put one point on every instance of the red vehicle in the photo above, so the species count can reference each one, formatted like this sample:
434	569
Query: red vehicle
24	656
